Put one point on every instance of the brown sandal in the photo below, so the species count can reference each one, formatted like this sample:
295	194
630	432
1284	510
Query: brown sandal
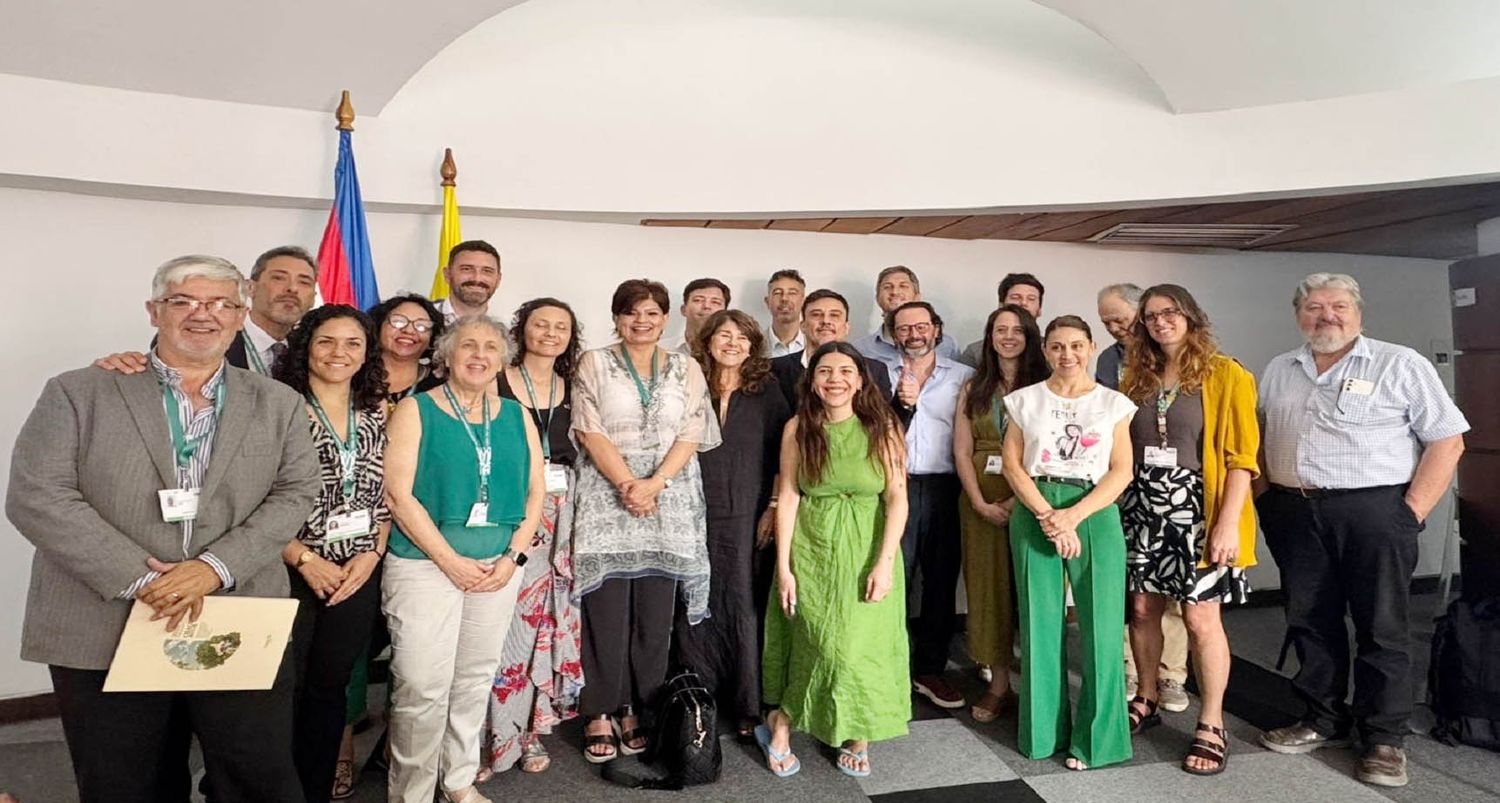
343	780
990	706
1139	722
1204	749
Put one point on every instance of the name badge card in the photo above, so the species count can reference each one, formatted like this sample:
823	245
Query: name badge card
556	478
994	465
178	504
347	525
1359	387
479	515
1164	457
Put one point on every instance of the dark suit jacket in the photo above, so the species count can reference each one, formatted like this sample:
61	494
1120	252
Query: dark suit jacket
789	370
83	481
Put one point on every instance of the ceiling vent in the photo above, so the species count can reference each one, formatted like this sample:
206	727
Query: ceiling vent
1216	235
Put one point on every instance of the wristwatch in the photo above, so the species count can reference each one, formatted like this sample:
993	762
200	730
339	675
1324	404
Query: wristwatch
306	556
518	558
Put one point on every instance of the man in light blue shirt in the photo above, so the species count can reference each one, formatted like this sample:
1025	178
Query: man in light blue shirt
895	286
1360	443
927	385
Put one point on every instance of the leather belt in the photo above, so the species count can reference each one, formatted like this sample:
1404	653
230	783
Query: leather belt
1322	493
1076	481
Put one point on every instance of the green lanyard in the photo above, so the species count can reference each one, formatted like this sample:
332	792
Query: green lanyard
348	446
640	387
183	448
1164	399
551	405
253	354
997	412
481	452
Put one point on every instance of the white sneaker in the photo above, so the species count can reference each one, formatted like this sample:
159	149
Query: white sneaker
1172	695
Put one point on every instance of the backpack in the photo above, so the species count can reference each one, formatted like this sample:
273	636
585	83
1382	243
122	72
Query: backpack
686	738
1463	679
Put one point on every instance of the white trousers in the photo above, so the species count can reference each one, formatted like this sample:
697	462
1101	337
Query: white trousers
445	650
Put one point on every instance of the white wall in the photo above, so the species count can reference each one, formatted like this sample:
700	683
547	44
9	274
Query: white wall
663	106
77	269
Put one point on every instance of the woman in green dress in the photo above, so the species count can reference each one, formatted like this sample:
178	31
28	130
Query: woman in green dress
1011	358
835	662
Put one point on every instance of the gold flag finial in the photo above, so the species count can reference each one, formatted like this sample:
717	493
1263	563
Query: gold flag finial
449	170
345	113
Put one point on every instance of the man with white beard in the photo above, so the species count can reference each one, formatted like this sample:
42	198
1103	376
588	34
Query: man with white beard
1360	443
927	384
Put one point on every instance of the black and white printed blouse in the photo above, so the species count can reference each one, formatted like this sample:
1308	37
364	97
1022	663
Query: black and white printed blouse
369	487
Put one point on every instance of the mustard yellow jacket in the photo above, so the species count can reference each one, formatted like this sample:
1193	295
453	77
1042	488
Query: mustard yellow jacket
1231	440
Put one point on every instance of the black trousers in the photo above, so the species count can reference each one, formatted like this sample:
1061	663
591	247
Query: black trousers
627	632
1351	553
932	545
325	644
132	747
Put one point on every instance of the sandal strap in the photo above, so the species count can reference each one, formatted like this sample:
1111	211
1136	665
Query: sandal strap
1219	732
1208	751
591	739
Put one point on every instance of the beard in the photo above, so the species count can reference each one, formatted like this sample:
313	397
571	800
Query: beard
473	294
1329	343
916	349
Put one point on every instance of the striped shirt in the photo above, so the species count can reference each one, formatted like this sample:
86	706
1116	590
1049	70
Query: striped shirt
202	422
1360	424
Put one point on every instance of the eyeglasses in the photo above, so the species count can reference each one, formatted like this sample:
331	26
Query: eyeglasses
915	328
1169	315
188	304
398	322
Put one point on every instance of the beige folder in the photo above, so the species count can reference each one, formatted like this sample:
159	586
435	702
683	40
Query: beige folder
236	645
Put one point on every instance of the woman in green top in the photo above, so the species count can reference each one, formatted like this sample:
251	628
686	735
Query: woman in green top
1010	358
835	661
464	481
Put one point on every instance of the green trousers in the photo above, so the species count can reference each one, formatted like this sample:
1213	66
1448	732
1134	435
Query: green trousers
1099	732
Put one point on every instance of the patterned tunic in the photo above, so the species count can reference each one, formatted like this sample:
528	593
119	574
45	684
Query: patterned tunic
369	486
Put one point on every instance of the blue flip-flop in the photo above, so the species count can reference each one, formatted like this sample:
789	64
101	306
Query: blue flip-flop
862	755
763	738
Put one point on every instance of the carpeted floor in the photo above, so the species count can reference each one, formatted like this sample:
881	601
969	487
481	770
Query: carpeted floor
948	758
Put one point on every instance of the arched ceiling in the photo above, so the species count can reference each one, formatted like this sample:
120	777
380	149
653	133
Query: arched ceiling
1203	54
290	53
1208	55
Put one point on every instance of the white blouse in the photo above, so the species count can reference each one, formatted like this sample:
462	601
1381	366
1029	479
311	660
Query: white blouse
1069	438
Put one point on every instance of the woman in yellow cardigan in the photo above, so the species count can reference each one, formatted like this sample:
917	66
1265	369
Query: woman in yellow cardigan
1188	519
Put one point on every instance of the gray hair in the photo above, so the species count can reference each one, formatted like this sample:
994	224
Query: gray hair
442	350
1328	281
296	251
1130	293
178	270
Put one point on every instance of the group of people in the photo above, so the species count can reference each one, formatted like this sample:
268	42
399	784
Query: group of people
541	531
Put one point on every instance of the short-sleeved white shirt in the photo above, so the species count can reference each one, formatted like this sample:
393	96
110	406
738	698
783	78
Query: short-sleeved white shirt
1067	437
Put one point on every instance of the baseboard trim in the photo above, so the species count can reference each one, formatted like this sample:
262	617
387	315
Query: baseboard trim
25	709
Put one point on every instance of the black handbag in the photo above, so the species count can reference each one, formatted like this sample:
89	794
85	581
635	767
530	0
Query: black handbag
686	738
1463	678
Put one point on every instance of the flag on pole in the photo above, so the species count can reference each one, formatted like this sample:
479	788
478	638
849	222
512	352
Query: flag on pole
451	235
346	273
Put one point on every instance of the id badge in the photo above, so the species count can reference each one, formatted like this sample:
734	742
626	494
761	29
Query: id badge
1359	387
347	525
479	515
178	504
1161	457
556	479
994	465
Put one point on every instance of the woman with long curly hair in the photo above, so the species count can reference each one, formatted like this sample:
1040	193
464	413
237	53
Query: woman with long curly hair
1010	358
540	673
333	360
836	655
738	479
1188	519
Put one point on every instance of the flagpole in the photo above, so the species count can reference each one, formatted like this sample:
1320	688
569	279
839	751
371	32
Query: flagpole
344	113
450	233
449	170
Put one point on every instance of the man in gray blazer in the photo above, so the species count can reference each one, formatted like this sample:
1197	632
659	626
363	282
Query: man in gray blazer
164	486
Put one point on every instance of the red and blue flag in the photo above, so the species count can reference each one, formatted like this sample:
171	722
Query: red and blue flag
346	273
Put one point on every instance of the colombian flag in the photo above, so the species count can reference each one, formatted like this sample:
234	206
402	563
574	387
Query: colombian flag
346	273
450	238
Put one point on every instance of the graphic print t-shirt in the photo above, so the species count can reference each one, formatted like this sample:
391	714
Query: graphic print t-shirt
1067	437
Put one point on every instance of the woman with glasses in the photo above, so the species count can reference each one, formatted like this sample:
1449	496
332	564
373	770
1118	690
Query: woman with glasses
540	674
641	415
464	483
333	361
1067	457
1189	522
1010	358
408	325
